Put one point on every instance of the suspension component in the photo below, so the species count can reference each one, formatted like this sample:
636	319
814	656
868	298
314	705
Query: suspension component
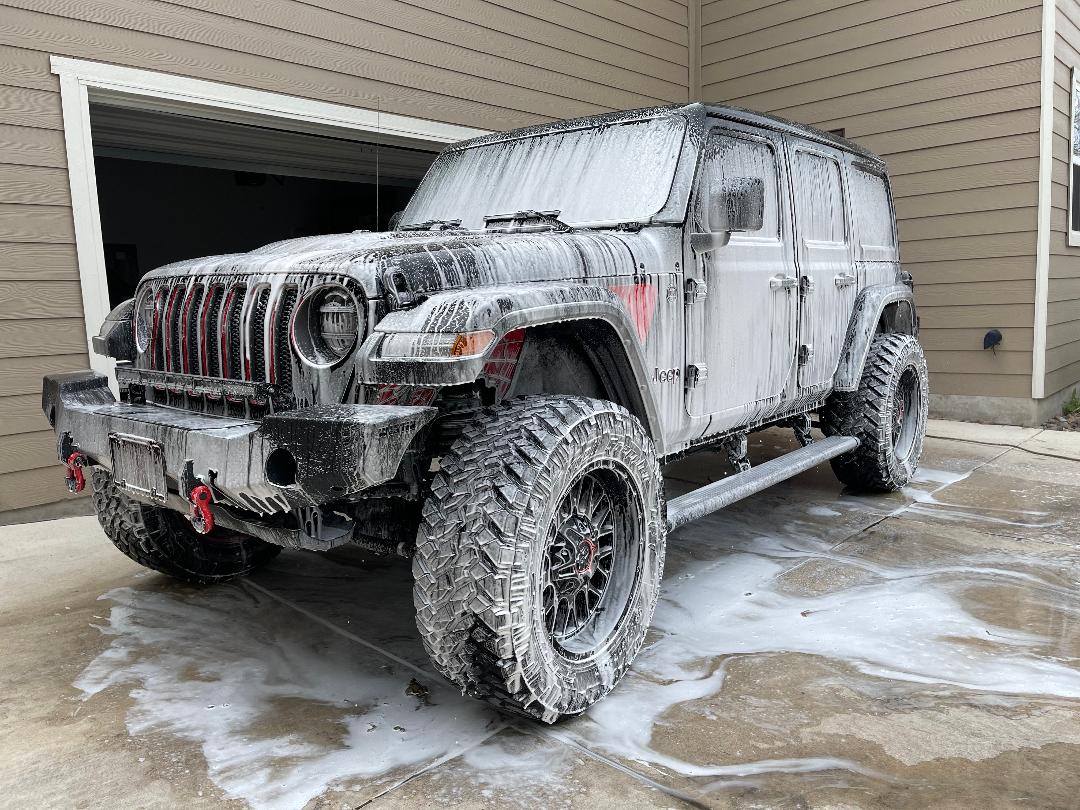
76	481
202	519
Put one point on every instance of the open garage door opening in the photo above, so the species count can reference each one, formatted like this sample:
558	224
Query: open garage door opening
173	187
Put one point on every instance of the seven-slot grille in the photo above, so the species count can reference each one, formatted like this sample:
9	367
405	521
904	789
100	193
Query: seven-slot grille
223	329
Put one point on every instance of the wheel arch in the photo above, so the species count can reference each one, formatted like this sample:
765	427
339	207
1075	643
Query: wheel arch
879	309
590	319
555	353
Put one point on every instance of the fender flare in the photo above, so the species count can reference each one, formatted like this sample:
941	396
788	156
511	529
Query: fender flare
503	309
862	327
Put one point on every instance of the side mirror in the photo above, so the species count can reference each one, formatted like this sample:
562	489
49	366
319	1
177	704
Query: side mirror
395	220
739	207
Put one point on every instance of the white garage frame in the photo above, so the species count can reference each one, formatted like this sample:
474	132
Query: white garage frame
82	82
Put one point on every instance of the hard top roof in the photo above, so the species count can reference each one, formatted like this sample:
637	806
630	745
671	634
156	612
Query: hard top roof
696	110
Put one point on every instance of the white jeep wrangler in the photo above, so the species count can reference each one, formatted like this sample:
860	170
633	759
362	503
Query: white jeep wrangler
491	387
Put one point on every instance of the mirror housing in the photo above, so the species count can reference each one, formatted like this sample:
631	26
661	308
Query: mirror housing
739	207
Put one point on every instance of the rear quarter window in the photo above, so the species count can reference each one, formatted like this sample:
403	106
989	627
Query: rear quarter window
874	234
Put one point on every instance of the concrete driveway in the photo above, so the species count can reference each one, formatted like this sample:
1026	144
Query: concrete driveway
812	649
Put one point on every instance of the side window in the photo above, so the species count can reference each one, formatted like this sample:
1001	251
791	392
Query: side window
729	161
873	216
819	199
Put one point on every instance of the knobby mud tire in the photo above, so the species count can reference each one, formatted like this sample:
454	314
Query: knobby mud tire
163	540
881	463
486	529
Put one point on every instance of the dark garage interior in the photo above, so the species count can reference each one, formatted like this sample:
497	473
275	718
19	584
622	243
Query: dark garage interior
173	187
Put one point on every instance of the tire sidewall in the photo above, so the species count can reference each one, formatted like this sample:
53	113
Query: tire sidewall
901	469
565	684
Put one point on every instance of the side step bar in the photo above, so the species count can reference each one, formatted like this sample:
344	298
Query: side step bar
715	496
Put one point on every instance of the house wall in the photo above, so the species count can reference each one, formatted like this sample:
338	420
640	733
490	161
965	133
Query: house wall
948	94
1063	289
492	64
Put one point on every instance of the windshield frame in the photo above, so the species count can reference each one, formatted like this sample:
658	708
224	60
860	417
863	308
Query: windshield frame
672	211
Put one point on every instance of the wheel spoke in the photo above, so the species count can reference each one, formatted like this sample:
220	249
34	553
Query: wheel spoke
590	524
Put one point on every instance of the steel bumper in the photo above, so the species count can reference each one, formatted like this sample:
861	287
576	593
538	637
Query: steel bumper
303	457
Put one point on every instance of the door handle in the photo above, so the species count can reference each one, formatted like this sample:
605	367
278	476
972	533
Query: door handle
844	280
782	282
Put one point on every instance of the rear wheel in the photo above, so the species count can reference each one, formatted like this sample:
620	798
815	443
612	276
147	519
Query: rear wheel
540	553
887	415
164	541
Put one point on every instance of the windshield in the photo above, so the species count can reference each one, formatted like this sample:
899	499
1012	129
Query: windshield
615	173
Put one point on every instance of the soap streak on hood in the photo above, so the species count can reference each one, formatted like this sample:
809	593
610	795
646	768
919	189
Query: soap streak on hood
441	260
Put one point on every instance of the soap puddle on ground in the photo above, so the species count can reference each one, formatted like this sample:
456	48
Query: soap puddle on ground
281	708
284	709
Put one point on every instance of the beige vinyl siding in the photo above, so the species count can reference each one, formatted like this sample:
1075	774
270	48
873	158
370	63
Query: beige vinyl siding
491	64
1063	289
948	94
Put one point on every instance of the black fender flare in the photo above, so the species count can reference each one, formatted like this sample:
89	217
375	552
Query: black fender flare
503	310
865	316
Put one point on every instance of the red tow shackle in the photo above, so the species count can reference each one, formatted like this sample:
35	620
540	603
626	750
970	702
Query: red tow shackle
76	481
201	517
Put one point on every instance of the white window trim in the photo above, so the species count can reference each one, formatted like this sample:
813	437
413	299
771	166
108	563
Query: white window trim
1074	235
1043	224
81	81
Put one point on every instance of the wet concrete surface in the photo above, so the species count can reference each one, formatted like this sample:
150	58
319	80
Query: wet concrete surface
812	648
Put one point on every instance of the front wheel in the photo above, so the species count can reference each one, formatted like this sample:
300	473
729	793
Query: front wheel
164	541
887	415
540	553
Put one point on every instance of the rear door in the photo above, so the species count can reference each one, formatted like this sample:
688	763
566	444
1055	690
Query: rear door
827	280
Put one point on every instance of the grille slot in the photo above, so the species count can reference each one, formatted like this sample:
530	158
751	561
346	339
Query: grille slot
281	368
234	366
192	308
210	332
257	336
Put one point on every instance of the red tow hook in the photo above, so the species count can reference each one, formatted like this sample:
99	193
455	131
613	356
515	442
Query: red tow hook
201	517
76	481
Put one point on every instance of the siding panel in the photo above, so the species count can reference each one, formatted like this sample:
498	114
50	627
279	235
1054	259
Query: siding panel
22	375
21	414
948	94
1063	289
492	64
33	488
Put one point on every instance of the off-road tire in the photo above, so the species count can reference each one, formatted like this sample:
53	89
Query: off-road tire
885	459
487	529
164	541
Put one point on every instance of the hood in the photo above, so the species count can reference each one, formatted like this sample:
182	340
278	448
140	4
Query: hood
419	263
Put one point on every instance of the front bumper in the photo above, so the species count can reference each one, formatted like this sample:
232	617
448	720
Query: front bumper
328	453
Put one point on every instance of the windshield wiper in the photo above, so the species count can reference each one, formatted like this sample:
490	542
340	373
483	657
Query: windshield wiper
520	218
432	225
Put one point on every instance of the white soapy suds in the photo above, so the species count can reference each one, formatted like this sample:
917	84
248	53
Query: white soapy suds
258	663
235	673
907	625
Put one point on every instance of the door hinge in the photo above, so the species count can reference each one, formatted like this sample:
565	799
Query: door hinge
782	282
806	354
696	373
696	291
844	280
806	284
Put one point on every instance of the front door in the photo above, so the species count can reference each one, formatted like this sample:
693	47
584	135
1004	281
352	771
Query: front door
826	263
742	297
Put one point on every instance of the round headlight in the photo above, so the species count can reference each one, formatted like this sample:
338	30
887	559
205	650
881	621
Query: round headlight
144	319
327	326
